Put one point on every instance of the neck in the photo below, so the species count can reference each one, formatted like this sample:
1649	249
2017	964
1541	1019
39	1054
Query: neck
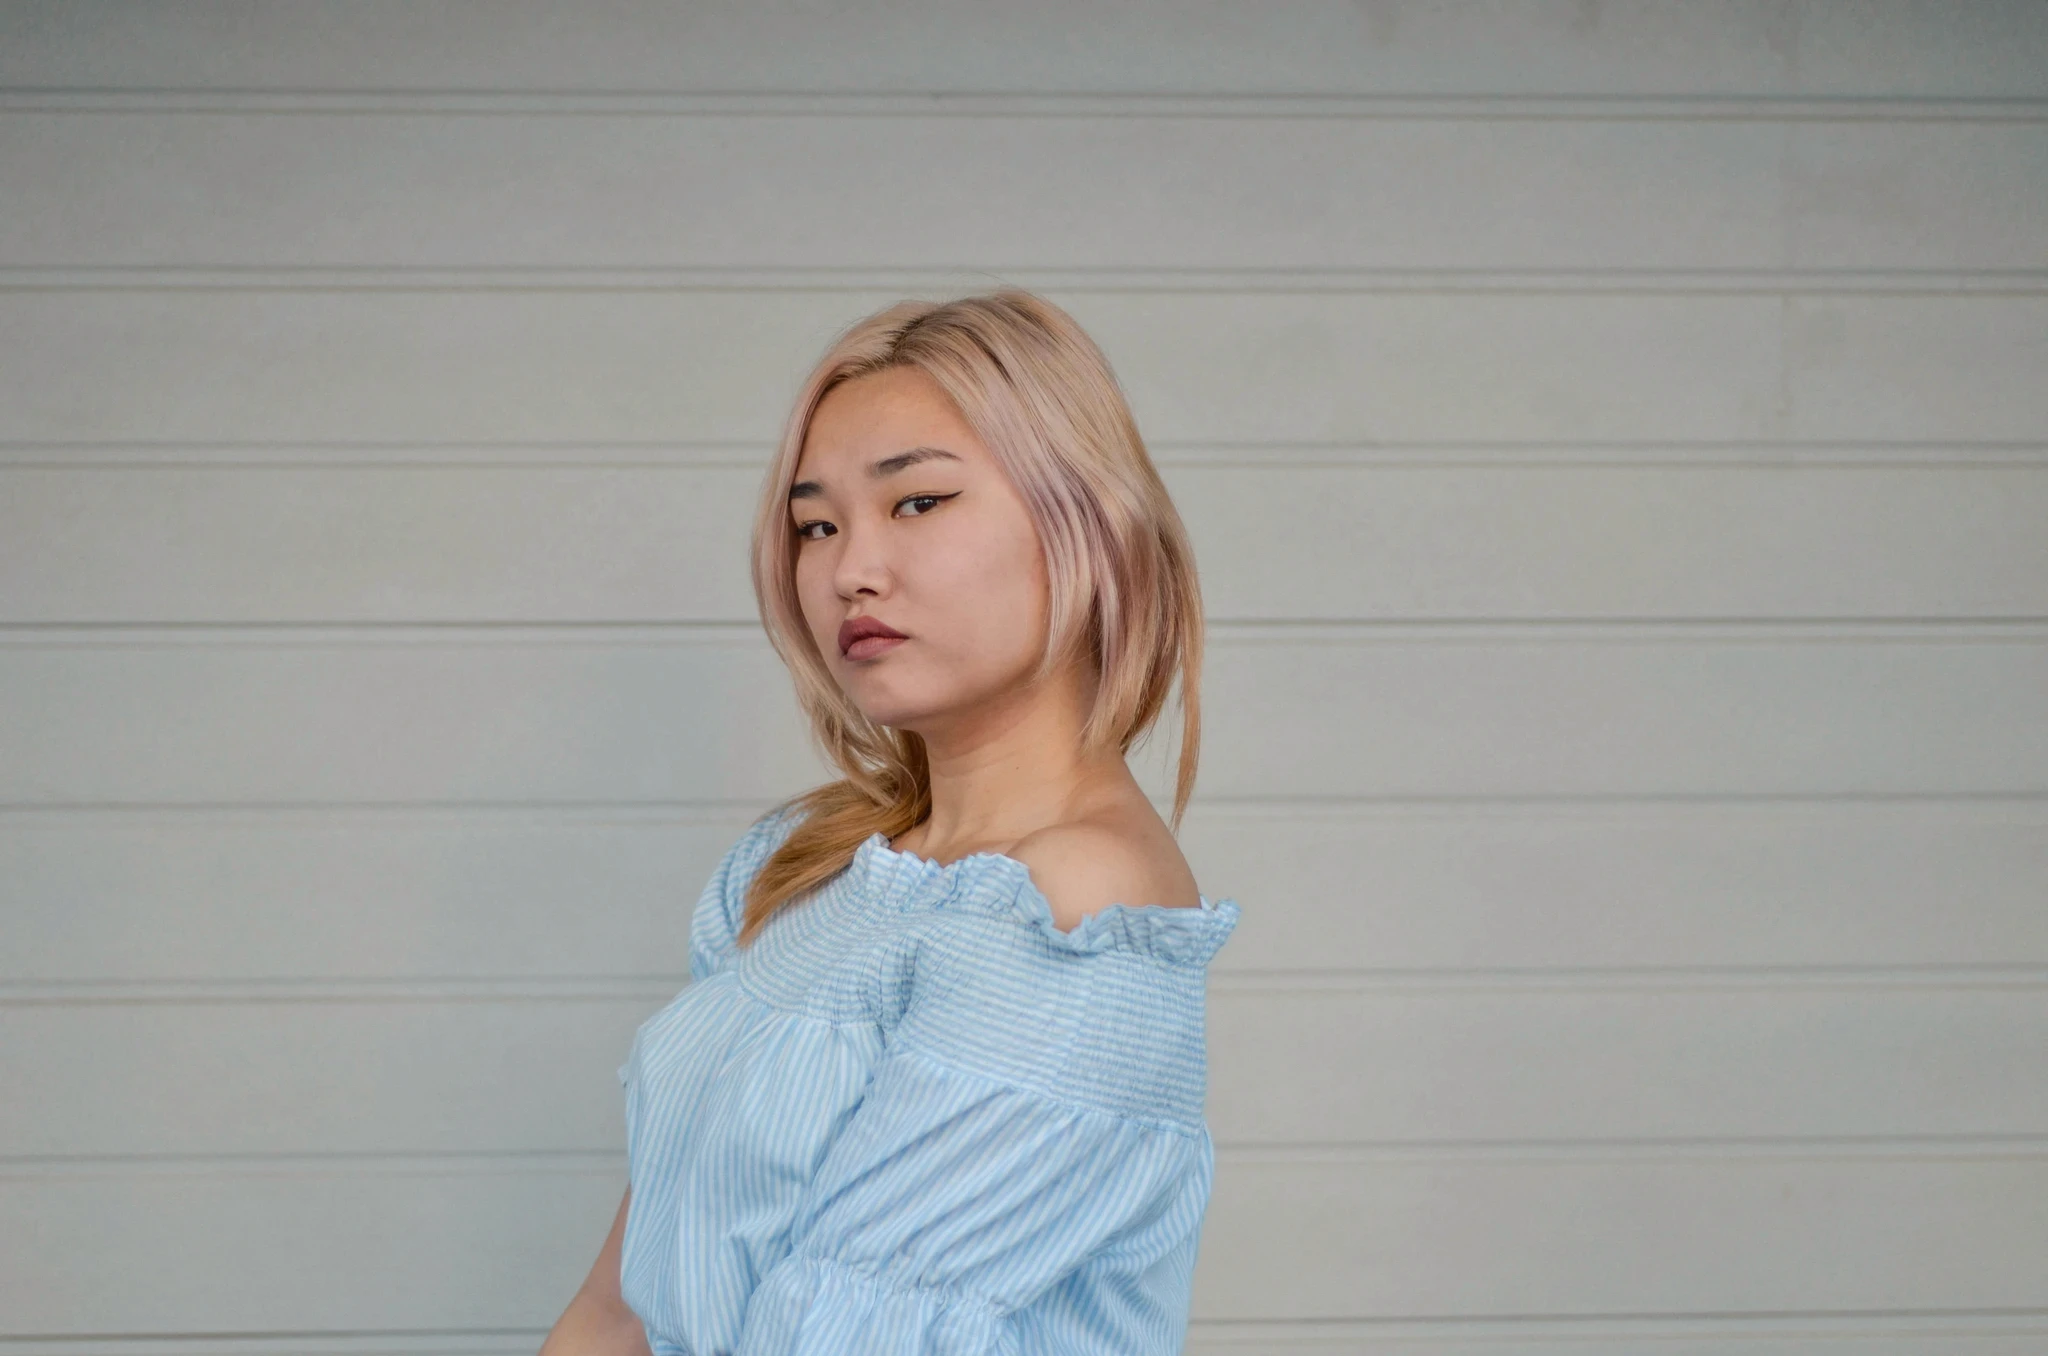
1012	766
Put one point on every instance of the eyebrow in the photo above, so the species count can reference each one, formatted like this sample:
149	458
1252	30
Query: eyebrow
887	466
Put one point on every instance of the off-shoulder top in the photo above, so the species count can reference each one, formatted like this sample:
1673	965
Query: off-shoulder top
913	1116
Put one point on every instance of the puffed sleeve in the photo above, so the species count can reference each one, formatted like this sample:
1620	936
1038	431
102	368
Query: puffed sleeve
721	907
1027	1169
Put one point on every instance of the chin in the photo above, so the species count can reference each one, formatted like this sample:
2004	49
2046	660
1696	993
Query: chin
881	708
893	709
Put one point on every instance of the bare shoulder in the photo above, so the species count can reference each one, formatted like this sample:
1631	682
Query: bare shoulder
1083	867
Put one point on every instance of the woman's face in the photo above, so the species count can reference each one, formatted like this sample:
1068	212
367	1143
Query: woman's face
904	516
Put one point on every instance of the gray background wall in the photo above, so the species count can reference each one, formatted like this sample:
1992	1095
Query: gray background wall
1616	440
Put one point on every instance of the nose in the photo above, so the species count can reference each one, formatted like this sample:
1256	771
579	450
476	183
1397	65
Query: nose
861	565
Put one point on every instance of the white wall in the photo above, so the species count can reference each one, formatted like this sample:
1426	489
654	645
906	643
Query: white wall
1616	438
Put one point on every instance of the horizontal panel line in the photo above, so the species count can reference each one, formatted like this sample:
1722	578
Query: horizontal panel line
326	1341
1223	983
1640	1326
1277	463
365	1163
1833	1325
664	814
1959	1148
1260	1334
581	1162
1558	805
1625	979
1223	631
1026	104
335	1341
1275	455
453	279
316	1342
345	990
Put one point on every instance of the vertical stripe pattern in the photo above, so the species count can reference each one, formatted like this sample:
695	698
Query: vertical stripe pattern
916	1117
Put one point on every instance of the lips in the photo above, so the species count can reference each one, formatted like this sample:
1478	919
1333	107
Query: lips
862	637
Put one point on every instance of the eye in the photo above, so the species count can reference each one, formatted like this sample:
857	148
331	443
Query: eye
803	530
924	499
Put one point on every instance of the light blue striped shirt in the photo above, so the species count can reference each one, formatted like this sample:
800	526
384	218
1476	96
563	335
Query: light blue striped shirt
913	1116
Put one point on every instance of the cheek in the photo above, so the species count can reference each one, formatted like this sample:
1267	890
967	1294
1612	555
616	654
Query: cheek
992	575
814	595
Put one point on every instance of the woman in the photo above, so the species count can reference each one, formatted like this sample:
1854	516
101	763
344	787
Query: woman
936	1084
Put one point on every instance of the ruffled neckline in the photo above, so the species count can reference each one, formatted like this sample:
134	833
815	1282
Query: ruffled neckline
1183	935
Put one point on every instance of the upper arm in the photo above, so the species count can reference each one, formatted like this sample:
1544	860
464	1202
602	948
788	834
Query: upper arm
721	906
1081	869
603	1281
598	1321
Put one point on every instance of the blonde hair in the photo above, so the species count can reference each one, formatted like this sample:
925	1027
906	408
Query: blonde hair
1039	393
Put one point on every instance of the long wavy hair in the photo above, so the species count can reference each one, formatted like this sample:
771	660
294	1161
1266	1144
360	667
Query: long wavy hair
1042	397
